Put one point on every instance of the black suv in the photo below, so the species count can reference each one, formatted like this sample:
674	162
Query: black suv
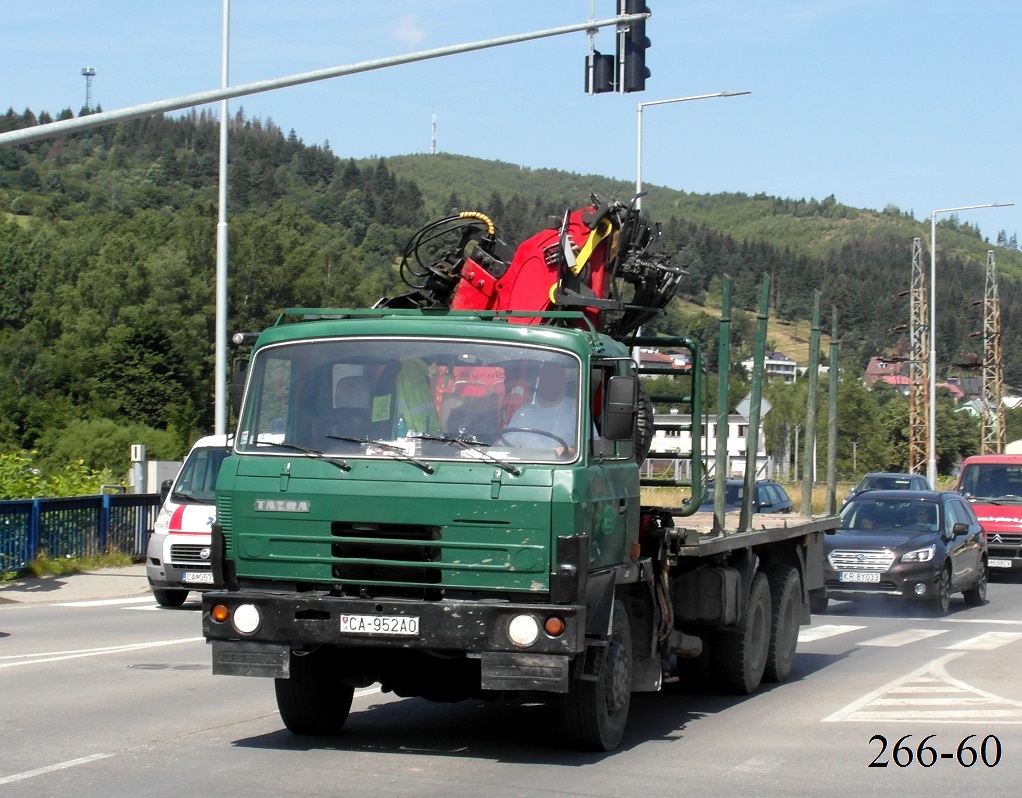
922	545
889	480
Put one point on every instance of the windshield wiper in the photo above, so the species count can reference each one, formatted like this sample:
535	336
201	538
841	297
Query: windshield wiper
189	496
337	461
472	445
400	453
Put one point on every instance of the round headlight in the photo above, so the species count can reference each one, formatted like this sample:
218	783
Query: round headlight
523	630
245	618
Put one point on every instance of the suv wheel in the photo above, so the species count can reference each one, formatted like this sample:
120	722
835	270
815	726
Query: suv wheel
976	595
940	604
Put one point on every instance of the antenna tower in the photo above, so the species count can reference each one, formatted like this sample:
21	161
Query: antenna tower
432	141
88	73
993	430
919	364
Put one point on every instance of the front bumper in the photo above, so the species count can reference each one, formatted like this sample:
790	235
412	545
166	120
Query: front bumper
312	619
462	629
176	561
1004	559
898	580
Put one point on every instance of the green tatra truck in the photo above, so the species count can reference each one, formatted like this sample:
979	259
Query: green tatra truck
445	499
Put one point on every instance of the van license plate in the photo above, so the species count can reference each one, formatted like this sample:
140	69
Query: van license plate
859	576
402	625
198	577
999	563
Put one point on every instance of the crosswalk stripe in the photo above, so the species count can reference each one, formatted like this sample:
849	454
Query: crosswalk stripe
824	631
903	638
987	641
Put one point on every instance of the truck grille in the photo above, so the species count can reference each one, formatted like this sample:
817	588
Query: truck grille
379	556
852	560
189	553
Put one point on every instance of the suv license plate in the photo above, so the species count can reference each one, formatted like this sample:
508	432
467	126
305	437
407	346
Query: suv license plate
993	563
197	577
859	576
403	625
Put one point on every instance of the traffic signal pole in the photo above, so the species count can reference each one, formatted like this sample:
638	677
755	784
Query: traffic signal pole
242	90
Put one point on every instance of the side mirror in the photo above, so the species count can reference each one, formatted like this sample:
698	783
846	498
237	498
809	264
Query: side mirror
621	408
238	377
959	529
165	490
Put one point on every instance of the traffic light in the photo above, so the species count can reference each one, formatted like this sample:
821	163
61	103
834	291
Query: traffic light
632	46
599	73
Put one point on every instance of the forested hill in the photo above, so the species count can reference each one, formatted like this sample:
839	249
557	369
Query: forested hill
107	256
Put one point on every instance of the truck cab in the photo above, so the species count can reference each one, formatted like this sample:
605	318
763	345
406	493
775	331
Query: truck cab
993	485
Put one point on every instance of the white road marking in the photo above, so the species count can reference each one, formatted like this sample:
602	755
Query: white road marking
825	630
903	638
15	660
987	641
106	602
29	774
930	693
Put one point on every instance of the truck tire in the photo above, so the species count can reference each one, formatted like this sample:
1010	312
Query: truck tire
169	598
741	656
596	711
311	702
785	597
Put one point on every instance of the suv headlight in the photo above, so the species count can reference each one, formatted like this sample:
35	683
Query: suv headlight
920	555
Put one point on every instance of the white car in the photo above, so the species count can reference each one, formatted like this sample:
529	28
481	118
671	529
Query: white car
178	555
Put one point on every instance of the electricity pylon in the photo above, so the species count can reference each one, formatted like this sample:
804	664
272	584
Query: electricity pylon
919	364
993	432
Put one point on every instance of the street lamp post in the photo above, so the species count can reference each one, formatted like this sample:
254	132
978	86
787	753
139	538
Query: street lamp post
931	443
638	130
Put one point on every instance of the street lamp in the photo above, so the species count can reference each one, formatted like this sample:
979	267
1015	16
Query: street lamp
931	443
638	131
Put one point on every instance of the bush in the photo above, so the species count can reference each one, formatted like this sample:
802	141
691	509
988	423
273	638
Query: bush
21	478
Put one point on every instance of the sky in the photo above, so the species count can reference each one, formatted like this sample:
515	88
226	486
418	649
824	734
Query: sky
910	103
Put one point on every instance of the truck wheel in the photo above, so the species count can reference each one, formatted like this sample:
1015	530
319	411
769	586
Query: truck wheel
976	595
818	601
785	595
596	711
169	598
741	656
311	702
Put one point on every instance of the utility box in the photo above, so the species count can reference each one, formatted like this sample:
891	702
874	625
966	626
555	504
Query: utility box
154	474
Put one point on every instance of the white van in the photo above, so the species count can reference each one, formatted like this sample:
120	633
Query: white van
178	556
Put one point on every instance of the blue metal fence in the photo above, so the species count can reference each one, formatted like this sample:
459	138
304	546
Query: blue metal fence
77	527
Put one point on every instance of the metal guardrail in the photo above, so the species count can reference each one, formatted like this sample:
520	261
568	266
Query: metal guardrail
79	526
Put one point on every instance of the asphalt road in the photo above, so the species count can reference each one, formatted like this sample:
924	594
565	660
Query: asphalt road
110	695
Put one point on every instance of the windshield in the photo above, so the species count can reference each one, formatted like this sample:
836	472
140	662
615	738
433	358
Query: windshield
891	516
885	483
992	481
197	479
347	397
